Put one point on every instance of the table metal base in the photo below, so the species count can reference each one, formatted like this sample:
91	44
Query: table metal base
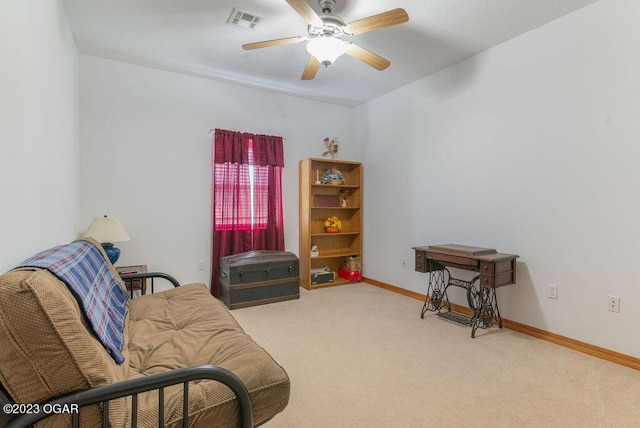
482	300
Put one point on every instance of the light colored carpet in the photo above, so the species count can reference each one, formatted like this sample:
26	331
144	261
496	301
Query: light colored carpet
360	356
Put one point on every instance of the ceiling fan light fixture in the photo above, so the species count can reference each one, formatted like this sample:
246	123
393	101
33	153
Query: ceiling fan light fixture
326	49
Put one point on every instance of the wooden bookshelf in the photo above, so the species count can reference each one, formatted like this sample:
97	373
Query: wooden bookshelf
333	247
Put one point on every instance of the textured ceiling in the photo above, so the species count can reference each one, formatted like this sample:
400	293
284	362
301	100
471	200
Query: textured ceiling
192	37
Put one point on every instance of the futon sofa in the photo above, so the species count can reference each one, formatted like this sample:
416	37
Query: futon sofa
178	346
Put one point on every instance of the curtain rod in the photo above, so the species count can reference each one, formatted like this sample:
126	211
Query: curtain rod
211	131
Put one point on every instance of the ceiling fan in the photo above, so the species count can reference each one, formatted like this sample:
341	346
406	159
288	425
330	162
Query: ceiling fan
325	42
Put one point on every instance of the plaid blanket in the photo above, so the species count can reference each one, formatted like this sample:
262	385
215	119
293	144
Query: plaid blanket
82	268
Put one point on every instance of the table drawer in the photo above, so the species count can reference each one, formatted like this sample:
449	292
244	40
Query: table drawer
487	267
497	280
421	262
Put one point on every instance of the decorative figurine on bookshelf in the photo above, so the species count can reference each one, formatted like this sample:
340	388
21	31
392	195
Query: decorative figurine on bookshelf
333	176
332	224
315	252
344	198
331	144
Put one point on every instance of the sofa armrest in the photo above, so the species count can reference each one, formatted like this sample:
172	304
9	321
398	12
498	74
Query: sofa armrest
152	275
131	387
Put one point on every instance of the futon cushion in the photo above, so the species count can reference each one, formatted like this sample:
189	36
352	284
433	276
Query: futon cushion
186	327
47	347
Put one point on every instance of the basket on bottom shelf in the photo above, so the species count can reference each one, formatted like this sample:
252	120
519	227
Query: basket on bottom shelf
350	275
351	263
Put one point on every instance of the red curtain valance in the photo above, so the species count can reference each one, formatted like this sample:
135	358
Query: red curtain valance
233	146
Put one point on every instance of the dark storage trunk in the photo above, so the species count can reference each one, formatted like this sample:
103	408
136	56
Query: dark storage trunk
259	277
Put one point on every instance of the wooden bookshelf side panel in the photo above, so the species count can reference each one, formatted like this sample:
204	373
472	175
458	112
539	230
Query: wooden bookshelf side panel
304	236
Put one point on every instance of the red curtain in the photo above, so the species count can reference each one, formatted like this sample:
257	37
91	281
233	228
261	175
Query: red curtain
247	196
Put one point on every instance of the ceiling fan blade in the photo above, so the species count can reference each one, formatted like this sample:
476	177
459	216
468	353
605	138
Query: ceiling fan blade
375	22
311	68
306	12
368	57
276	42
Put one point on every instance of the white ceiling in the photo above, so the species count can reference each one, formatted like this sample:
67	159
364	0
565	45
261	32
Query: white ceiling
192	37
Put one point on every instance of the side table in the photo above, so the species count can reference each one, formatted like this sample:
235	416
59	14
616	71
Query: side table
137	284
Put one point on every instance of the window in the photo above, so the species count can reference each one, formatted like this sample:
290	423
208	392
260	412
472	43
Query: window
242	193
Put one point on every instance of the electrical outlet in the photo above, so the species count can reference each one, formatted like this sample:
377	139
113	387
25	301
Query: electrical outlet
200	264
553	291
613	303
404	262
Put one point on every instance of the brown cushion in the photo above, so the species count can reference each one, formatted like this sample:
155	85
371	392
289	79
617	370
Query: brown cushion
47	349
186	327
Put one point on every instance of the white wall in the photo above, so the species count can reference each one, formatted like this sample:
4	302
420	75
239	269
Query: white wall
531	148
39	149
149	128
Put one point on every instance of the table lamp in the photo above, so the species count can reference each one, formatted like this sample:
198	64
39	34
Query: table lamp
107	230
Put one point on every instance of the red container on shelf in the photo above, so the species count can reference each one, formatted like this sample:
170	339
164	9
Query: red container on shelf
351	275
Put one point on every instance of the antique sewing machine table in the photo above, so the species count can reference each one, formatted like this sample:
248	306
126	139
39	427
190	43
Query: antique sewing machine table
493	270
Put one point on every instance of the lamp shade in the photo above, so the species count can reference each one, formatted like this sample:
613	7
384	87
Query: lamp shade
326	49
106	229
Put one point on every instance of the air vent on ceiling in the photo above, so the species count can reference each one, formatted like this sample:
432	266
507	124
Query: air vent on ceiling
244	19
